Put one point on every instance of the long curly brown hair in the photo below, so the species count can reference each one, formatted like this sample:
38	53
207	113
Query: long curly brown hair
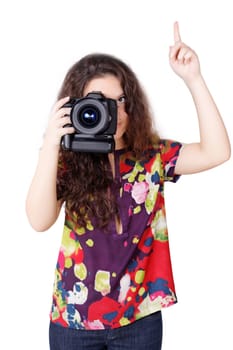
85	180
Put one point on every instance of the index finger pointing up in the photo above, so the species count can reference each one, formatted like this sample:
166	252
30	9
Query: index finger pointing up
177	37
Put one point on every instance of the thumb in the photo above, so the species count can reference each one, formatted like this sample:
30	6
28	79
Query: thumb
172	53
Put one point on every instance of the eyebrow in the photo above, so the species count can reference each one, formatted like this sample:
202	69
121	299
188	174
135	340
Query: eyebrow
122	94
117	97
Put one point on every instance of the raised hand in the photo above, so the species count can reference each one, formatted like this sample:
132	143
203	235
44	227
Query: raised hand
183	60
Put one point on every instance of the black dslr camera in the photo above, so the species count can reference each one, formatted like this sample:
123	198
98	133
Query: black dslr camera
94	118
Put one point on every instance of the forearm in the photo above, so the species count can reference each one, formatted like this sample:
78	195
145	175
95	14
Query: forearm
41	204
214	140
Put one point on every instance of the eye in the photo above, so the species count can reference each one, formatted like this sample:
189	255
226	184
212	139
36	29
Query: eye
121	99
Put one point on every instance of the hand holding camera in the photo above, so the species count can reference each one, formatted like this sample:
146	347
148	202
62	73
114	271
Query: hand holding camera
58	119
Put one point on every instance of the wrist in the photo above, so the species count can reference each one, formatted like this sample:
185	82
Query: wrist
49	146
195	81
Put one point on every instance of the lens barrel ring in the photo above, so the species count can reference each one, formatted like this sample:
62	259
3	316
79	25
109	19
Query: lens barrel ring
97	107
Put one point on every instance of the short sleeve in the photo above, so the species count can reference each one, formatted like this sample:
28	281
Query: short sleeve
169	154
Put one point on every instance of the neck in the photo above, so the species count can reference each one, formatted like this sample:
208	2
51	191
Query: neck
119	144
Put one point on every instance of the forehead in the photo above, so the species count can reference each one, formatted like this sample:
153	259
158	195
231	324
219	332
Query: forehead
108	84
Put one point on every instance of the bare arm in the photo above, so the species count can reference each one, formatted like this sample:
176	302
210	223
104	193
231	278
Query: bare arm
42	207
214	147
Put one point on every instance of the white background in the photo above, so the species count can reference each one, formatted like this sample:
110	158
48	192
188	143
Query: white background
39	41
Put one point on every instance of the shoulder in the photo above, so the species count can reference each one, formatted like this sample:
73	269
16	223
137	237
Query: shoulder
164	147
167	145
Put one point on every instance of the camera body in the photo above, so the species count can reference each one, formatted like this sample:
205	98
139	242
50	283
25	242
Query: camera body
94	118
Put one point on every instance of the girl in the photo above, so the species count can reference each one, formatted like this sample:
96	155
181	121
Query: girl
114	274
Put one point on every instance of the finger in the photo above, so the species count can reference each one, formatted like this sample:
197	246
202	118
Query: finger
66	130
188	55
177	37
174	50
61	113
64	121
60	103
183	52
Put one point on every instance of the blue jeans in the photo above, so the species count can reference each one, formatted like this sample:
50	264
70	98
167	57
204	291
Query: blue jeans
144	334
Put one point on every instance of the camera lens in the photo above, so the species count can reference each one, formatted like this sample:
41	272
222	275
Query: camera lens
89	116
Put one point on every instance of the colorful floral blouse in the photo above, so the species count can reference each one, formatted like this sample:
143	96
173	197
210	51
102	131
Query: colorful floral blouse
108	280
